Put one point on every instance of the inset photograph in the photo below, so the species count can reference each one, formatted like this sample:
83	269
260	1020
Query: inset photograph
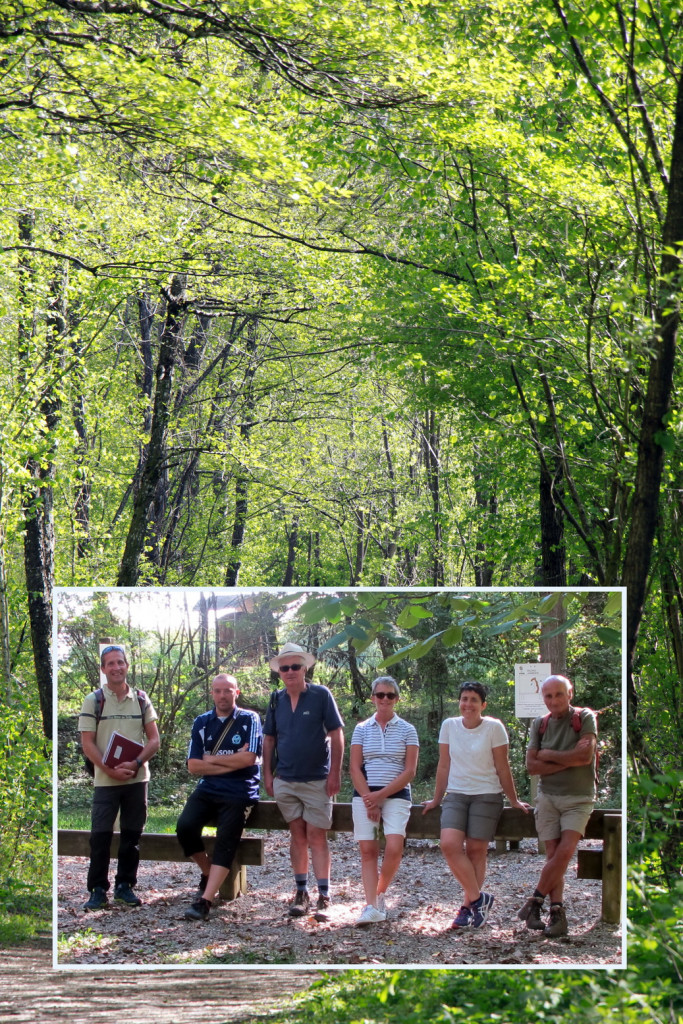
338	778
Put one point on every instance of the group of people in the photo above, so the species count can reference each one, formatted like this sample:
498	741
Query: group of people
300	750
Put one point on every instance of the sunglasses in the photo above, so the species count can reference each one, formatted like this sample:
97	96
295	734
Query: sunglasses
112	647
383	695
290	668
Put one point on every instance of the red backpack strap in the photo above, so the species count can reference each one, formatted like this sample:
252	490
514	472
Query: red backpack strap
543	726
576	719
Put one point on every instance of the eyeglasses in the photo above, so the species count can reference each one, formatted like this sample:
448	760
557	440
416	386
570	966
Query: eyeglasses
383	695
290	668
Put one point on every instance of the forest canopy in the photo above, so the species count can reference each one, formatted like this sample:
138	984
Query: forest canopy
351	294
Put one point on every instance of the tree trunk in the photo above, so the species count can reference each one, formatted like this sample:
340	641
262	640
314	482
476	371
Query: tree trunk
657	404
553	569
487	504
432	468
242	483
155	463
292	543
37	495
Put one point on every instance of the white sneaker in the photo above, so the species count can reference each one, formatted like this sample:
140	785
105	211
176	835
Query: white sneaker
380	903
370	915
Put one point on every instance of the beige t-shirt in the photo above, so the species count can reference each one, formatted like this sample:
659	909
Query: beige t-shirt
122	716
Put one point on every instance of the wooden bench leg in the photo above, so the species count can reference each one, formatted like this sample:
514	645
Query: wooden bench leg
236	881
611	869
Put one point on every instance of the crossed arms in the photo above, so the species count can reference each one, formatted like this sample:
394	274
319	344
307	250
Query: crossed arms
548	761
221	764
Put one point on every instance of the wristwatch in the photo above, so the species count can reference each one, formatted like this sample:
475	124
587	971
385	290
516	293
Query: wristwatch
139	762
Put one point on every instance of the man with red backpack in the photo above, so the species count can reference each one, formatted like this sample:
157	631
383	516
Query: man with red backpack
562	752
117	709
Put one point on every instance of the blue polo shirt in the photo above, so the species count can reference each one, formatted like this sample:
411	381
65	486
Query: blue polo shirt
242	784
303	746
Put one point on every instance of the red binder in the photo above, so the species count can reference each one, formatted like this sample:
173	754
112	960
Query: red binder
121	749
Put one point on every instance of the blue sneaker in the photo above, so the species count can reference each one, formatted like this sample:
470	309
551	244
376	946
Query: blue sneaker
480	909
124	894
463	919
98	899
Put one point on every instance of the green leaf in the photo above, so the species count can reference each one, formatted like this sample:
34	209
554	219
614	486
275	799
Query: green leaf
564	626
611	637
452	635
335	641
614	604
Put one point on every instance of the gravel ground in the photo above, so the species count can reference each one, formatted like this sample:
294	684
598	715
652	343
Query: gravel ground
256	930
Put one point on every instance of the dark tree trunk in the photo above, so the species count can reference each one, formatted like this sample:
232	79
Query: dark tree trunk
553	569
239	522
357	681
656	406
37	494
391	546
433	471
156	461
487	504
360	547
82	496
292	544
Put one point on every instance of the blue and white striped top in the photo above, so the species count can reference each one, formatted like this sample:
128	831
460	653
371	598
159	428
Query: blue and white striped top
384	750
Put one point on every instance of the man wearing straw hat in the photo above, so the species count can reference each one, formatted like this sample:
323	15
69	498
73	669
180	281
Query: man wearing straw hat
304	726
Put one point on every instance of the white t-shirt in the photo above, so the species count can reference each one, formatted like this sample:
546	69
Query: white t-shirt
472	770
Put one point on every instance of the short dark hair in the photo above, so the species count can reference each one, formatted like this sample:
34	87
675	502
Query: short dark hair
477	688
108	649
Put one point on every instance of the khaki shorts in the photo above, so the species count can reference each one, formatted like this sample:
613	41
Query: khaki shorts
556	814
307	800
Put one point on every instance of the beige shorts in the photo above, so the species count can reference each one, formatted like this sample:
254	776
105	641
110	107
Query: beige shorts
556	814
307	800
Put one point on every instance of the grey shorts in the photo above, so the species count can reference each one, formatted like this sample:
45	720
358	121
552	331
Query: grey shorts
476	815
556	814
307	800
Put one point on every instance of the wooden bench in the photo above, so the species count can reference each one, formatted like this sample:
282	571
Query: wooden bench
604	864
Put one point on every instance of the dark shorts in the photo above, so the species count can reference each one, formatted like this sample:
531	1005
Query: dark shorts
475	815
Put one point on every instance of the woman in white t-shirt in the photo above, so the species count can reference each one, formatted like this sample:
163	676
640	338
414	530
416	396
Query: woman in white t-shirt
472	775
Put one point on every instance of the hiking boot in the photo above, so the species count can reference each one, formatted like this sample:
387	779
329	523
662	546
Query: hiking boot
557	921
370	915
321	908
199	911
463	919
98	899
300	904
124	894
531	913
480	909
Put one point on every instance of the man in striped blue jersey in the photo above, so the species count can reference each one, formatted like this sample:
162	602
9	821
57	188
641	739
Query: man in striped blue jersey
224	752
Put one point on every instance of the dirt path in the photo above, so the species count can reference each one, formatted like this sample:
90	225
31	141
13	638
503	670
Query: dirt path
256	929
31	992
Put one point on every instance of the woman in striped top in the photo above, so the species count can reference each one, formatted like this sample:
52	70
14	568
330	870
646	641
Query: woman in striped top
384	751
